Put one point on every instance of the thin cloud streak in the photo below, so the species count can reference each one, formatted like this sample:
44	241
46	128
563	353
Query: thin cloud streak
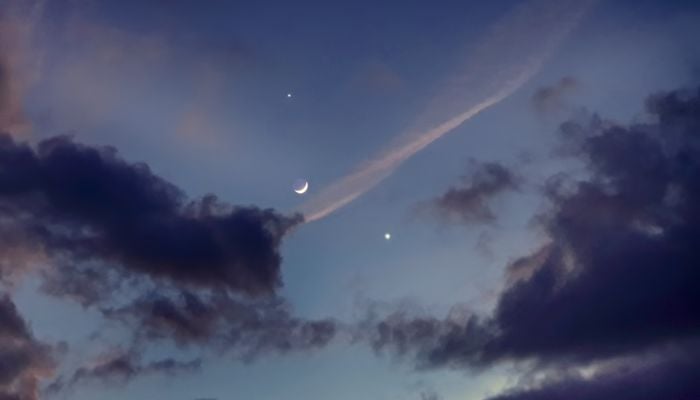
369	175
492	73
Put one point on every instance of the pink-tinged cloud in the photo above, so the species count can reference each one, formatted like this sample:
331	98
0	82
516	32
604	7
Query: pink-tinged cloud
19	68
507	57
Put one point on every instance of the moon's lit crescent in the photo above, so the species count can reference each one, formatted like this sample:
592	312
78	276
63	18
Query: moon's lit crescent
302	189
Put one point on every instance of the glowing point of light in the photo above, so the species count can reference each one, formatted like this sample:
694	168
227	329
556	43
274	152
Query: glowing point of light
387	236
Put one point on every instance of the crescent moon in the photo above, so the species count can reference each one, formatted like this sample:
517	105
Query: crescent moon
303	189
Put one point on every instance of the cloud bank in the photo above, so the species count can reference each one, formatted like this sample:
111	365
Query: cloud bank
114	237
617	289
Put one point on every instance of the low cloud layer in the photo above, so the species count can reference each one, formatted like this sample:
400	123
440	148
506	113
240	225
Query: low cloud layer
121	367
619	280
247	327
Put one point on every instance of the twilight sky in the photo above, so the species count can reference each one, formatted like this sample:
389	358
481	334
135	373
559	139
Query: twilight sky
536	163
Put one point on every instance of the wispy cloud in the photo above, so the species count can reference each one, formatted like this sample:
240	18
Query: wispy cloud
506	57
551	99
469	203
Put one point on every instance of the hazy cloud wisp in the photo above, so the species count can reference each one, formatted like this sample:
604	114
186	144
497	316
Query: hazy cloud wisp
506	58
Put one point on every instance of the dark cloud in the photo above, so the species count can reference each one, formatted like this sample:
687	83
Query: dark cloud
23	360
81	205
115	237
87	285
673	377
552	98
620	277
469	203
247	327
120	368
429	338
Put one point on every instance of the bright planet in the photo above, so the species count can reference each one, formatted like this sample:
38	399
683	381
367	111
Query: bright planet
301	186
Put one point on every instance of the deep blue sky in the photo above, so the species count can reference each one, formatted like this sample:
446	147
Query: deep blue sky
198	91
